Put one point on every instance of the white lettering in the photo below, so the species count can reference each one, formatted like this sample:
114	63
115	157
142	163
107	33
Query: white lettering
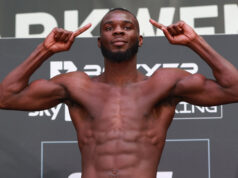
189	14
200	108
164	174
185	108
146	28
46	112
71	20
39	113
55	66
159	175
94	18
33	114
171	65
66	113
190	67
166	17
69	66
55	111
149	71
212	109
24	21
58	67
92	70
231	15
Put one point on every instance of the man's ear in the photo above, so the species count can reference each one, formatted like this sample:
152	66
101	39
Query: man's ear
99	42
140	40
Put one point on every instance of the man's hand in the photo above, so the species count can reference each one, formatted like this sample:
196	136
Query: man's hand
61	40
179	33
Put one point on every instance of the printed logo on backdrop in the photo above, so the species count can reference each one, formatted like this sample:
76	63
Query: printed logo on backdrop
166	15
183	110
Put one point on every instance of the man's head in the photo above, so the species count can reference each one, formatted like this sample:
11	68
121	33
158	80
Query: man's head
119	35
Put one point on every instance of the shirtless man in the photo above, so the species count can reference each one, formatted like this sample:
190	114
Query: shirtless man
121	117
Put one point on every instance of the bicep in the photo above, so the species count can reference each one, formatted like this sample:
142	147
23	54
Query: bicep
38	95
198	90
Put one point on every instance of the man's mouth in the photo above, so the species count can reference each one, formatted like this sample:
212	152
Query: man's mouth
119	42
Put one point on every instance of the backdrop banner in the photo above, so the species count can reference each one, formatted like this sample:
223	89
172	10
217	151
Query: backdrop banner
33	19
202	142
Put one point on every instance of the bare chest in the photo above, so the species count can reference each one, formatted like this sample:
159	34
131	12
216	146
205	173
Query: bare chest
117	107
127	108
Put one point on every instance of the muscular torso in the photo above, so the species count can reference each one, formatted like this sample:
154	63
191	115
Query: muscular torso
121	130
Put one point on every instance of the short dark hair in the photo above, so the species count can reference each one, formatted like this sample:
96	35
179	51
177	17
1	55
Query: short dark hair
119	9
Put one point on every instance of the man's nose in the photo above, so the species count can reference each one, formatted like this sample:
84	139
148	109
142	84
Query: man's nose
118	31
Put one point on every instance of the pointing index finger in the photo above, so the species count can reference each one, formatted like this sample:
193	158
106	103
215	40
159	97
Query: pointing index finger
81	30
158	25
163	28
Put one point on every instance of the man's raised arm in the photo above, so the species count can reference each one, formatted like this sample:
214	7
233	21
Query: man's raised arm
17	93
196	89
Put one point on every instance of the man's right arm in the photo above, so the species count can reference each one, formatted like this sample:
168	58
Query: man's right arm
15	90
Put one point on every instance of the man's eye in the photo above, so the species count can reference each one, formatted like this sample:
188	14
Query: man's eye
108	28
127	27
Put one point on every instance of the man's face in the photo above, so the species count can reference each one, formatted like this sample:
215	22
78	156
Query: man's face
120	37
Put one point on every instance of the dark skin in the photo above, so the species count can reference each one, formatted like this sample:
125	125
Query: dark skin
121	119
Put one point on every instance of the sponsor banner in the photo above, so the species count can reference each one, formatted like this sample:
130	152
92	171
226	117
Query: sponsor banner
32	141
28	19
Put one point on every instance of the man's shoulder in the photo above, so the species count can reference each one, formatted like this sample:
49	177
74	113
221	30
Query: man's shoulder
177	78
71	77
169	73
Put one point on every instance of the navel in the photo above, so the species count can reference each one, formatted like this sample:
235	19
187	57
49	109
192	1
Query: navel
114	173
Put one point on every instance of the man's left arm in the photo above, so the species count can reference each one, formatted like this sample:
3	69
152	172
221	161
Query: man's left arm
196	89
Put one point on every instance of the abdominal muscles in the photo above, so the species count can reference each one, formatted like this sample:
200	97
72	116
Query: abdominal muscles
117	152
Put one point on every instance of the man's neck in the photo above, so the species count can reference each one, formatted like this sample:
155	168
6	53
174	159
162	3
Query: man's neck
122	73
